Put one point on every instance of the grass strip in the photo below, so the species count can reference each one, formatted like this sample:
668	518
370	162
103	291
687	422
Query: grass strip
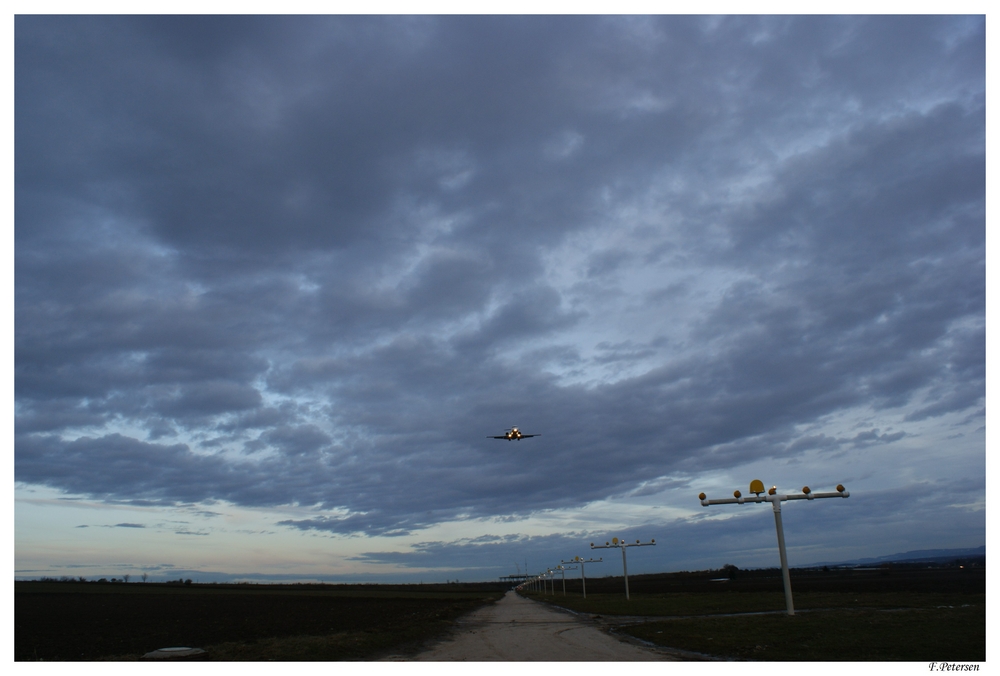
704	603
913	635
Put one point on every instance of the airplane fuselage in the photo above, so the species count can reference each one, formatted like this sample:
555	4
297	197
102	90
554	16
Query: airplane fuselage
514	434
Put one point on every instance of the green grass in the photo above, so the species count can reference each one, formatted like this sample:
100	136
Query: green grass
921	635
705	603
827	626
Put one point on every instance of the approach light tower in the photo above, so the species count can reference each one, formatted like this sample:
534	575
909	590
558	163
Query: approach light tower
562	569
615	542
549	575
775	498
583	577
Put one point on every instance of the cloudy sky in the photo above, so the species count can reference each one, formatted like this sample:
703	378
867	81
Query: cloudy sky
278	279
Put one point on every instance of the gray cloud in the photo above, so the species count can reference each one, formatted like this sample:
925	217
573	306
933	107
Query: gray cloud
277	261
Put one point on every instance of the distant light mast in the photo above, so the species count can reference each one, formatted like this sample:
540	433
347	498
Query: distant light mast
562	569
775	498
583	576
615	543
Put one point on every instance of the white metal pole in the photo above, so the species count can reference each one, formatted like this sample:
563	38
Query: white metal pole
785	578
625	570
583	572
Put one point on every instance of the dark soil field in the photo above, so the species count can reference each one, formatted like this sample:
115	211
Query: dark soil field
895	613
78	621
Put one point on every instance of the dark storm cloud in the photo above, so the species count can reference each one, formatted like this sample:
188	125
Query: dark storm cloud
316	261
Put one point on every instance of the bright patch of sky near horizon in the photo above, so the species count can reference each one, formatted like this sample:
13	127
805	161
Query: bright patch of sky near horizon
279	278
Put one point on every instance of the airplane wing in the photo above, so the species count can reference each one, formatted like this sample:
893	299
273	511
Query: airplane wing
525	436
503	437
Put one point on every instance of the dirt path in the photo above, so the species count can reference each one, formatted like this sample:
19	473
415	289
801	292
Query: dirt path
517	629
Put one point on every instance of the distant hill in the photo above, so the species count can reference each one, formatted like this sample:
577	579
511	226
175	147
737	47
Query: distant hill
915	556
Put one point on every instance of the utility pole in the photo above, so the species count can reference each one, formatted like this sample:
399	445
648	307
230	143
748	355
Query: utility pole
775	498
583	577
615	542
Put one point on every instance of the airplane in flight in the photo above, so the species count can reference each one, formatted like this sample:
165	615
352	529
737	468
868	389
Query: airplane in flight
514	434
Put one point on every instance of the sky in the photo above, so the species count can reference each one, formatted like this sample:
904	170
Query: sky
279	279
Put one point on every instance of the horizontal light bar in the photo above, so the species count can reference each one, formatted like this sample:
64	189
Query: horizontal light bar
739	499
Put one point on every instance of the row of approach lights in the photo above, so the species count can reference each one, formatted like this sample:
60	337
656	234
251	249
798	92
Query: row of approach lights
775	498
756	487
542	579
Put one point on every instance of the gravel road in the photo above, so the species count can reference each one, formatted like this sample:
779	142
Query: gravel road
520	630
